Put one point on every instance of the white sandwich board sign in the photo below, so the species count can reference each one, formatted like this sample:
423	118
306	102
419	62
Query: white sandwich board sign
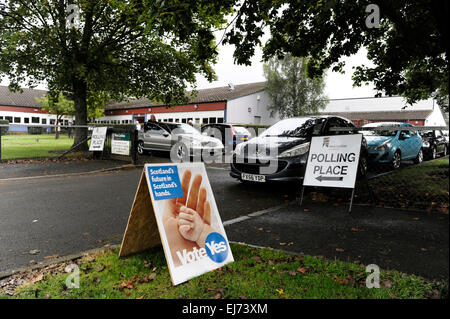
333	161
175	206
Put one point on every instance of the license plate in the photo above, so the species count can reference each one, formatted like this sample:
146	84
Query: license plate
253	177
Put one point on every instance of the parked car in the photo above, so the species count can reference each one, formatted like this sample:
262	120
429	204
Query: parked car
286	143
434	143
230	134
445	133
182	139
392	146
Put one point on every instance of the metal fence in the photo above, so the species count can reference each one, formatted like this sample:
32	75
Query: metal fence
26	142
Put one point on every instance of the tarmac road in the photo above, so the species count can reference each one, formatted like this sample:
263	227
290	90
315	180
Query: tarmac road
67	215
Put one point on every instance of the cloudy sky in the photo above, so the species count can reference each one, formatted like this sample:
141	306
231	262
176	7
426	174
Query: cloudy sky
337	85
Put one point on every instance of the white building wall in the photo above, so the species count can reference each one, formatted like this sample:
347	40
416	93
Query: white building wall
197	116
436	118
30	116
250	109
383	104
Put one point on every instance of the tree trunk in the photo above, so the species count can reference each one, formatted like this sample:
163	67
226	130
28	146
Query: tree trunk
81	133
58	117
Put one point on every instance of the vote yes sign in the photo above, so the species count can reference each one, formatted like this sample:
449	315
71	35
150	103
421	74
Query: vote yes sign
333	161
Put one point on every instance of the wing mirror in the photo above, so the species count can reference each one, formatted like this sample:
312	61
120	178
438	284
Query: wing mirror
404	136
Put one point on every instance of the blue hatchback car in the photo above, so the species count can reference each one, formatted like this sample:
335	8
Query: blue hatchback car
392	146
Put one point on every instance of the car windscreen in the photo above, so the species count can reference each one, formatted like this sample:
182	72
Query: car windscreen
182	128
295	127
368	131
241	130
426	133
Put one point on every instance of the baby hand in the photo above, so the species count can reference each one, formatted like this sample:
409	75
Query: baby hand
191	224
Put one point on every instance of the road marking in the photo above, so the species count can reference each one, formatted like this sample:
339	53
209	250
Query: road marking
255	214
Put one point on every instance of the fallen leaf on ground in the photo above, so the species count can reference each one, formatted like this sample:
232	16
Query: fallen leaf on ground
37	278
301	270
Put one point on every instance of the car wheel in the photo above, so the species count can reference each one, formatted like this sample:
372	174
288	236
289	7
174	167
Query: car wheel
179	153
363	167
433	153
140	148
397	160
419	157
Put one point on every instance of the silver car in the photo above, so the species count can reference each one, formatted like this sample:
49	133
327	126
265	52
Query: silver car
181	140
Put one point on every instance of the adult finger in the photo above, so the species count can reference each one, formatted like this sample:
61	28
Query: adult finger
193	193
185	181
207	213
201	201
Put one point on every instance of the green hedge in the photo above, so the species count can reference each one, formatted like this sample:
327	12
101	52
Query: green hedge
37	130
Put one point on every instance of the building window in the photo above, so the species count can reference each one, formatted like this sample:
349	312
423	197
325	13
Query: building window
205	121
35	120
9	119
1	117
44	121
183	120
220	120
212	120
177	120
17	120
52	122
26	120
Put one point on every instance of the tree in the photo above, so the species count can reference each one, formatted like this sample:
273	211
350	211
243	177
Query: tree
291	92
409	47
123	48
58	105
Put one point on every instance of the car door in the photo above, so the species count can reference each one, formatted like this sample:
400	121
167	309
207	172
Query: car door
409	143
156	138
440	141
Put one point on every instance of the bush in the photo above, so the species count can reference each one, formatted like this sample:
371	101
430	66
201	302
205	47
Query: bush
36	130
4	129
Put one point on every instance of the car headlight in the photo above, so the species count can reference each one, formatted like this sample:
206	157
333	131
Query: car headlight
296	151
426	144
384	147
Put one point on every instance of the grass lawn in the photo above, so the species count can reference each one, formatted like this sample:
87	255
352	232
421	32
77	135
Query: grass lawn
33	146
424	186
256	273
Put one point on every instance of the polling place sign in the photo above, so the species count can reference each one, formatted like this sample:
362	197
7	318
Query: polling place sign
175	206
333	161
98	139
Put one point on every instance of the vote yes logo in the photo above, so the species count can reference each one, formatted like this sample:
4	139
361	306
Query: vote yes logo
216	247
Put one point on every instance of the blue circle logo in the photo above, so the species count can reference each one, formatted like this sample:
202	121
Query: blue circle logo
216	247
